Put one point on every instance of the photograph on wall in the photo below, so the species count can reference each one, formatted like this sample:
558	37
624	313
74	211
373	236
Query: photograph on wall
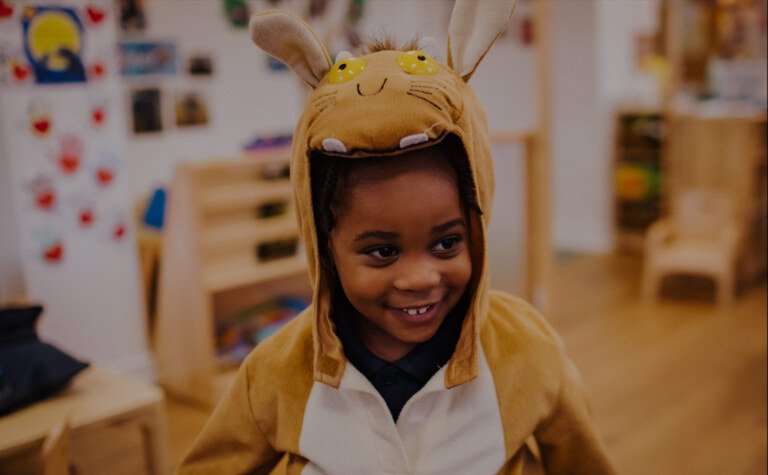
132	16
191	109
237	13
143	58
200	65
53	44
145	108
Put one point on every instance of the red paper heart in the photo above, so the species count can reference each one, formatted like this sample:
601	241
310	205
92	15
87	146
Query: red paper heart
20	72
97	70
69	163
86	217
95	14
104	176
97	115
54	253
5	10
46	199
41	126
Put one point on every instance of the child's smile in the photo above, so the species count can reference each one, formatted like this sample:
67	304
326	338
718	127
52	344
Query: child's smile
400	248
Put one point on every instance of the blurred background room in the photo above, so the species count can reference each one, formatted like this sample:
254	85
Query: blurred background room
147	229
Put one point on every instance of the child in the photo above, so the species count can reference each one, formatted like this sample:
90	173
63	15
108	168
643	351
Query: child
405	362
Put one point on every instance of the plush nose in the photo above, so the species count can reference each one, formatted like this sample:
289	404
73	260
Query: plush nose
417	276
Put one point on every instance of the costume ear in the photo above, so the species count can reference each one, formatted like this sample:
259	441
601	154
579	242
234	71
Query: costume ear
289	39
474	26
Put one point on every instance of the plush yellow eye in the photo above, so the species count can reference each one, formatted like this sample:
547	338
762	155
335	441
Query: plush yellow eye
417	62
346	70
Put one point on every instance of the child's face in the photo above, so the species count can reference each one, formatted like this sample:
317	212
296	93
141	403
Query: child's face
401	251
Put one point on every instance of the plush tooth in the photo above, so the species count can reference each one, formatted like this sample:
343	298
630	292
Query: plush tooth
334	145
414	139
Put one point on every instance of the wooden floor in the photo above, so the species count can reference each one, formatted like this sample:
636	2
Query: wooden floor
677	387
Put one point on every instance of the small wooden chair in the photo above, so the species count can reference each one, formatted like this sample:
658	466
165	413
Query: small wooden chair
700	237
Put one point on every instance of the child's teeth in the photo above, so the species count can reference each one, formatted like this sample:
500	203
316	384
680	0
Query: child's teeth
416	311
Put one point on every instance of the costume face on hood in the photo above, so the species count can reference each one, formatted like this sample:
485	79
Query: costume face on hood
384	104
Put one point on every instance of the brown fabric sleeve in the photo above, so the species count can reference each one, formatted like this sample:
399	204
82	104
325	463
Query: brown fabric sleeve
231	441
567	438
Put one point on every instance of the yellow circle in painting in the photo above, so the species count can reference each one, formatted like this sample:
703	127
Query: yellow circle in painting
417	62
50	33
346	70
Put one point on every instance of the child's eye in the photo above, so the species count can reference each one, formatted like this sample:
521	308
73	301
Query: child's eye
383	252
346	70
447	245
417	62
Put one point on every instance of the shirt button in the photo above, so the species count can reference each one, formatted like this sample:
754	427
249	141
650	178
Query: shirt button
389	377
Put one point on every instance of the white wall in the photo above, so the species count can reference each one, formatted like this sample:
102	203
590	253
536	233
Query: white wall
593	72
11	280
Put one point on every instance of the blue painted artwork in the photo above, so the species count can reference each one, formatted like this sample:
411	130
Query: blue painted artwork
147	57
53	44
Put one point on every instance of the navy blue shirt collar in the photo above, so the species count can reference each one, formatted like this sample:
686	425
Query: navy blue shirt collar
399	380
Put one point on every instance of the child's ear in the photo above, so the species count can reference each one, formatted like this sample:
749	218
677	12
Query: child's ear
474	27
292	41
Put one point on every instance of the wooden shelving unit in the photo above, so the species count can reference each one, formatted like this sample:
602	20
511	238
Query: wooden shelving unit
639	141
230	242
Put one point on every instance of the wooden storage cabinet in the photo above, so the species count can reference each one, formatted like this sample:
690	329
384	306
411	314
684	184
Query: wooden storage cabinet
728	153
638	180
230	242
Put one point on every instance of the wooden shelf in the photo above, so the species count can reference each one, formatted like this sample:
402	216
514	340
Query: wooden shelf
227	275
244	232
231	243
245	195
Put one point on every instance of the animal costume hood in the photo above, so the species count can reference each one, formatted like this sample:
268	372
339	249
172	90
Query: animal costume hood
384	104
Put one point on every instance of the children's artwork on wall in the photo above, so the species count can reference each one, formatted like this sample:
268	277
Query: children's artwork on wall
106	168
21	71
236	12
142	58
191	109
69	156
200	65
95	14
51	248
98	113
40	118
132	16
82	209
6	10
53	43
118	230
43	193
145	107
97	70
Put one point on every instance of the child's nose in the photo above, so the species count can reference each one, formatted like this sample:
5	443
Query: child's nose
417	277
